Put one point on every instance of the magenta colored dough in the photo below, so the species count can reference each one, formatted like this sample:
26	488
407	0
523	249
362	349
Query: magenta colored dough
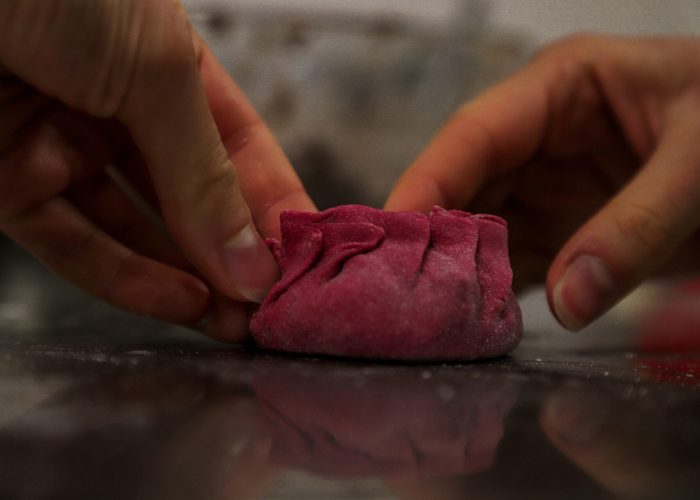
362	282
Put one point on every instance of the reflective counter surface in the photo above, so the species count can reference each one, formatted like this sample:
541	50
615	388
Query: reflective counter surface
97	404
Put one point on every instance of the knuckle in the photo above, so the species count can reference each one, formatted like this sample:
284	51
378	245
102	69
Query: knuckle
117	51
140	48
155	46
170	50
166	59
29	178
215	183
645	227
96	67
208	200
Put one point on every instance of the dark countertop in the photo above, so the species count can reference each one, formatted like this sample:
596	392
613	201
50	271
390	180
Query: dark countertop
95	403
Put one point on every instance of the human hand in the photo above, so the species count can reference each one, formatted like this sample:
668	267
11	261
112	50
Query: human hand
85	85
592	155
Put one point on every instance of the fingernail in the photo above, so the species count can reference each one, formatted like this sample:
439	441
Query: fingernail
585	292
251	266
575	417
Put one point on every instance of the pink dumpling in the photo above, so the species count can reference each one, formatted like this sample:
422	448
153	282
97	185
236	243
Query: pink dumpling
362	282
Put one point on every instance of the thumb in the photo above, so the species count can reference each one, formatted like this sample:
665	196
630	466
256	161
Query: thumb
167	113
633	234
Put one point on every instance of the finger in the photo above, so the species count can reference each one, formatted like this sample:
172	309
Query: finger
167	113
104	204
634	233
63	150
19	104
95	143
73	247
496	132
227	320
32	175
111	210
139	66
39	165
268	181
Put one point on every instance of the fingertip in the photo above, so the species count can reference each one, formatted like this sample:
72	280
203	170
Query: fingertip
190	302
155	290
584	292
227	320
415	194
395	202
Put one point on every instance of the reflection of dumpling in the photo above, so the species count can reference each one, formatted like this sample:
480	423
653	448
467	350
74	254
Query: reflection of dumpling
362	282
348	421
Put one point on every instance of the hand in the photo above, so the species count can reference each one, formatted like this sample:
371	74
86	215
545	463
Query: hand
127	84
592	154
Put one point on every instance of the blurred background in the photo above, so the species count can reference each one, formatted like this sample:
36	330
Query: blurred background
355	89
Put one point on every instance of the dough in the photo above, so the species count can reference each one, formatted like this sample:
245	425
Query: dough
362	282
